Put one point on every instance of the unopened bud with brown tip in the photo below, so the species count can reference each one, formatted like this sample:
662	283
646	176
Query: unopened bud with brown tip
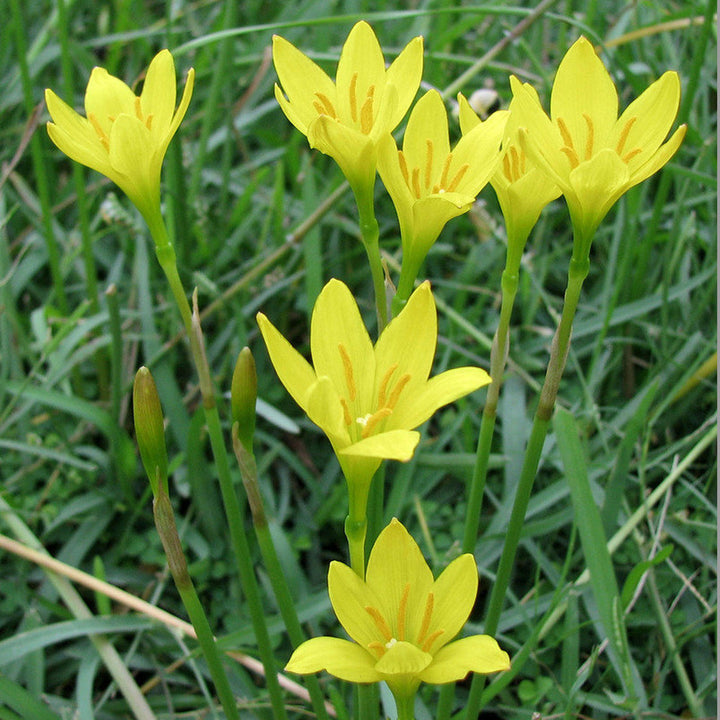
243	396
149	429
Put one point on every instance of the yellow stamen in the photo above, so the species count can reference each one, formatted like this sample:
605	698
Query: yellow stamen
346	412
100	132
347	365
428	163
138	109
567	138
572	156
353	99
522	162
148	121
515	159
402	382
382	392
416	182
624	135
366	112
431	639
375	645
631	155
402	612
404	167
590	136
446	170
427	616
371	423
380	621
506	167
458	177
324	107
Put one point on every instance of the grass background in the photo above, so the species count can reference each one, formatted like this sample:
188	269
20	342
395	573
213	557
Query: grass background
261	222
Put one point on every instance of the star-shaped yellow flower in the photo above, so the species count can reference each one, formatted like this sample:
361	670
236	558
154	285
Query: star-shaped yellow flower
590	153
124	136
402	621
522	188
366	399
345	118
429	183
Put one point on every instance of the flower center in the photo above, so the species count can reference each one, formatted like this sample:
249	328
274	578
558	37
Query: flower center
572	153
393	633
360	111
103	136
419	179
387	398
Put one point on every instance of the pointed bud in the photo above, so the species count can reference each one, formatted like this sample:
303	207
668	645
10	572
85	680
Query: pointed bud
243	395
149	429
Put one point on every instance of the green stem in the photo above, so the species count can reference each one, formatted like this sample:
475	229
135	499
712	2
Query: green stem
405	707
558	355
236	523
371	242
165	523
498	358
286	604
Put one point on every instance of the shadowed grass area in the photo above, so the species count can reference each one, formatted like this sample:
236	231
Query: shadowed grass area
260	222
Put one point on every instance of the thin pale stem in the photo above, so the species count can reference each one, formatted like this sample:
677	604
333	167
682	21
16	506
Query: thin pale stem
548	394
165	523
283	596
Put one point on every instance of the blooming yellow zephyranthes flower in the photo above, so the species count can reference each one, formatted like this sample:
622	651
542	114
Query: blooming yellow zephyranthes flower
522	188
345	118
124	136
366	399
592	155
402	622
428	182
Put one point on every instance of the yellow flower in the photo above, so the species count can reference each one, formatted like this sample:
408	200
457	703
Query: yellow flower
402	621
428	182
124	136
592	155
345	118
368	399
522	188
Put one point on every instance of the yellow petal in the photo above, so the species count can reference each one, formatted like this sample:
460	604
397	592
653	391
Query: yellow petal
395	564
323	407
582	68
341	658
402	658
405	74
662	156
158	93
350	596
107	97
301	80
182	108
466	115
388	165
440	390
341	347
391	445
74	135
360	68
427	126
354	152
478	653
454	593
654	112
295	373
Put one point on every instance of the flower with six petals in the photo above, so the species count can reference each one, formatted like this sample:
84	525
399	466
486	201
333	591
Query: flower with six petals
402	621
428	182
590	153
522	188
366	399
124	136
345	118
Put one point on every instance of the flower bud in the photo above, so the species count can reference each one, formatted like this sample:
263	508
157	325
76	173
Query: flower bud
149	429
243	395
